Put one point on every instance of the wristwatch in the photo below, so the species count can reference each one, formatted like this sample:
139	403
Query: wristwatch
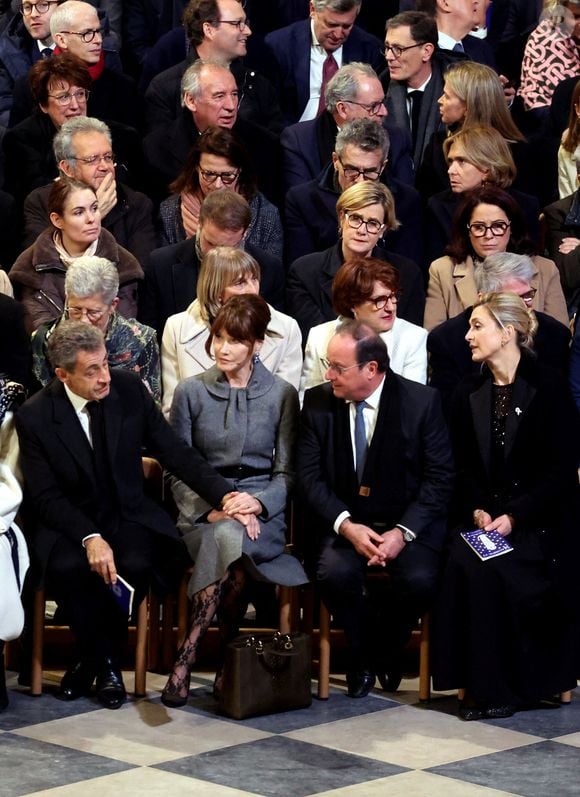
408	535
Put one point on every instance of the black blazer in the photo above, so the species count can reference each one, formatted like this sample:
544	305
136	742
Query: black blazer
309	287
170	283
408	468
58	468
556	230
14	341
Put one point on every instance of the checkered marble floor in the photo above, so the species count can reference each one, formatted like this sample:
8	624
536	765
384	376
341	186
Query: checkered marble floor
340	747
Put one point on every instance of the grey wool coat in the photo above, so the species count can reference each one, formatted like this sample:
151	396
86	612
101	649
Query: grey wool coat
255	427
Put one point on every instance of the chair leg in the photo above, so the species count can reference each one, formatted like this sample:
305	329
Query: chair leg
424	663
37	643
285	605
566	697
324	654
141	649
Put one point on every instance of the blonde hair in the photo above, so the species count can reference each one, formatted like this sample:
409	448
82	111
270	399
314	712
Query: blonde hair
486	149
508	309
480	89
360	195
220	268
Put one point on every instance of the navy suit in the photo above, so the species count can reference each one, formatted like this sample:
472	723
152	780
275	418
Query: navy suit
478	50
290	49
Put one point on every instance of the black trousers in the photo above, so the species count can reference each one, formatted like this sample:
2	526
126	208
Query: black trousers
96	620
377	622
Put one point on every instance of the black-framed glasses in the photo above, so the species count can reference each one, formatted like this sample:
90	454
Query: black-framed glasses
26	9
355	220
497	228
240	24
340	369
92	160
372	108
227	178
77	313
397	50
353	172
86	35
81	95
379	302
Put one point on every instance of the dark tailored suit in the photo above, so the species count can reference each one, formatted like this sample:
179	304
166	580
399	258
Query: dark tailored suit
478	50
511	23
309	287
170	283
450	356
408	472
307	148
14	342
290	49
311	224
70	502
506	629
557	229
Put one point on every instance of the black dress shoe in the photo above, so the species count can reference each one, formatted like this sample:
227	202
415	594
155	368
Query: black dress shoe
360	683
77	681
499	712
469	713
390	681
111	691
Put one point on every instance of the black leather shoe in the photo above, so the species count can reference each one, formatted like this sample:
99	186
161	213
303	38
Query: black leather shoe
390	681
77	681
469	713
360	683
111	691
499	712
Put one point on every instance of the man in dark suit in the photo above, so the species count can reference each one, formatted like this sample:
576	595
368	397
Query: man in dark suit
355	92
81	441
375	472
562	226
455	20
309	52
511	23
171	272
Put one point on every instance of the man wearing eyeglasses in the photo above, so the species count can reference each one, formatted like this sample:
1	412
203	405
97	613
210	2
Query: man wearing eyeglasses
375	472
26	39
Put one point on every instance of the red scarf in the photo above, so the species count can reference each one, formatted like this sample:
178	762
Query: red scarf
96	70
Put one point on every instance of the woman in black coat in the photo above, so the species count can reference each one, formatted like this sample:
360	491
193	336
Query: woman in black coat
505	628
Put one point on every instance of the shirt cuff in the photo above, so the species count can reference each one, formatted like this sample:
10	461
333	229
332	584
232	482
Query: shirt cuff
88	537
405	528
340	519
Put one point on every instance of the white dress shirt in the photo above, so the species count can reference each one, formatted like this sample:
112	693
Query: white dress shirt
318	56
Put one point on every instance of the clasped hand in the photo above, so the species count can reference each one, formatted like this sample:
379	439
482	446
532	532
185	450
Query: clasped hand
242	507
377	548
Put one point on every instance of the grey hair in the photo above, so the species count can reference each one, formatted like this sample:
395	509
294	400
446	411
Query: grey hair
344	85
191	80
365	134
65	15
338	6
62	144
68	339
89	276
491	274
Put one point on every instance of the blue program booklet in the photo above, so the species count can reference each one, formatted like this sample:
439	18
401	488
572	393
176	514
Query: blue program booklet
123	594
486	544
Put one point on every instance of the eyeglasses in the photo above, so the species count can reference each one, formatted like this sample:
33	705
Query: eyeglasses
353	172
528	296
26	9
65	99
86	35
227	178
396	49
240	24
372	109
497	228
340	369
354	220
381	301
79	312
92	160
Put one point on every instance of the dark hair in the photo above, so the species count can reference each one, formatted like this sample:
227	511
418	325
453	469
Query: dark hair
244	318
196	13
62	68
422	27
70	337
354	282
370	347
460	244
60	192
573	130
224	144
226	209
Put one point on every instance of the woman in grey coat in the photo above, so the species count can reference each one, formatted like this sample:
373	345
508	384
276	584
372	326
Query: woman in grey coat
244	419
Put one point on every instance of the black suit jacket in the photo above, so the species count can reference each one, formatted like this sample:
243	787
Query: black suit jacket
170	283
408	469
58	467
14	341
450	356
557	229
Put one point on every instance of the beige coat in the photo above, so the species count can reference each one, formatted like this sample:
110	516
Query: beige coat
452	289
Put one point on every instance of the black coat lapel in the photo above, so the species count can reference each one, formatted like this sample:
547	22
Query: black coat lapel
480	403
68	428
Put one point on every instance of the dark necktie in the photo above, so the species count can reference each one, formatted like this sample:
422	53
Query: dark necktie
105	484
329	70
360	439
458	48
46	52
416	98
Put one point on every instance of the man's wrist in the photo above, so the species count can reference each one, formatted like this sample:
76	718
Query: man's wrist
90	537
407	534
